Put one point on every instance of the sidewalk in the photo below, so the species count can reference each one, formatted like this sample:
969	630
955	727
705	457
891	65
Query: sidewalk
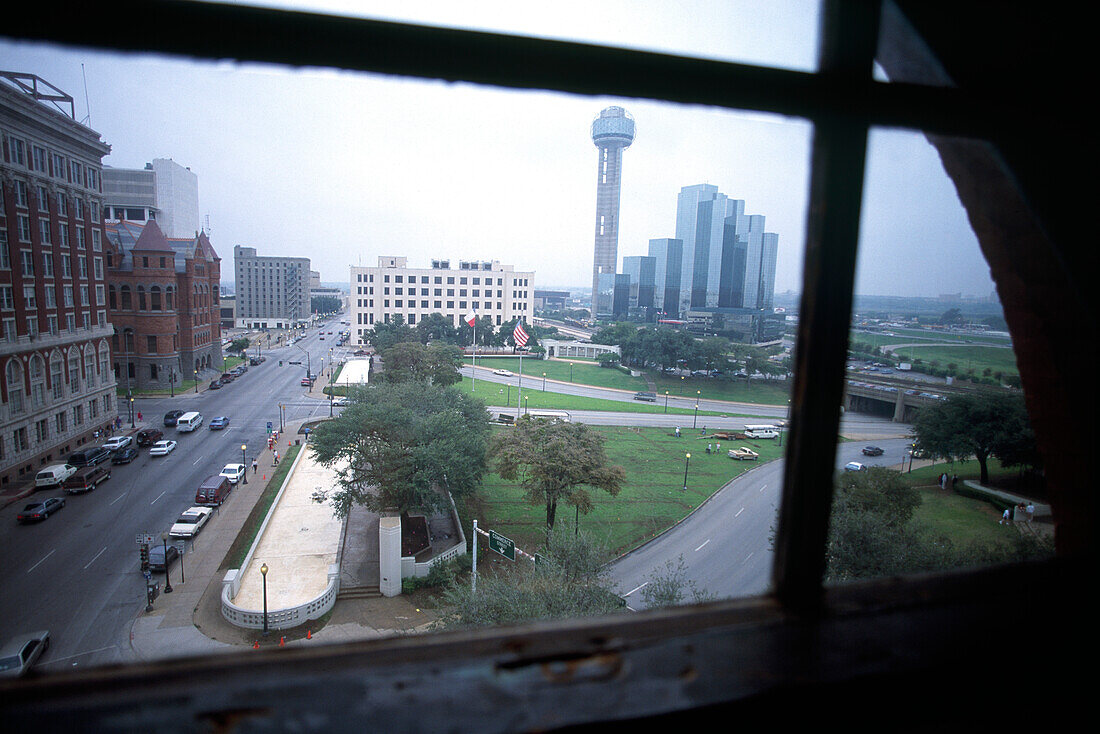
189	622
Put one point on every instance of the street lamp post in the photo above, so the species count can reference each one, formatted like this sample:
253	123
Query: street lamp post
525	404
687	460
244	462
696	418
666	401
167	580
570	371
263	572
196	381
132	411
912	448
681	384
172	383
544	382
330	405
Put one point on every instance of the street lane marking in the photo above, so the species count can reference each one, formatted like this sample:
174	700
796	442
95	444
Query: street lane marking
701	547
116	499
747	558
40	562
763	488
196	461
739	512
158	497
97	555
636	588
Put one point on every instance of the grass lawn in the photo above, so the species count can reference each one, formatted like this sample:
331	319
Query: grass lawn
495	394
765	392
583	372
997	359
652	499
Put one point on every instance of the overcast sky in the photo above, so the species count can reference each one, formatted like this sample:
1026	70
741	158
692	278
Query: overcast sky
343	167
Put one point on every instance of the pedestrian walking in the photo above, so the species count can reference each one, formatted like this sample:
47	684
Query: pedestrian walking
943	480
709	447
276	456
1006	518
1030	511
118	422
255	467
139	416
677	431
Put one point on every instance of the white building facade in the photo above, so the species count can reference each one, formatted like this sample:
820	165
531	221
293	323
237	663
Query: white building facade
379	294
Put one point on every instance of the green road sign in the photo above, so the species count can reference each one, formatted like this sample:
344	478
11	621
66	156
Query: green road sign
502	545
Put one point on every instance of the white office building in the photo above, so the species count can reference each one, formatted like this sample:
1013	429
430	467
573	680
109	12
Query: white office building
392	288
163	191
272	292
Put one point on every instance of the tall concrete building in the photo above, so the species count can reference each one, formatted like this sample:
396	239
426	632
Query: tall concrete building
642	270
272	292
393	288
56	384
612	132
163	191
668	259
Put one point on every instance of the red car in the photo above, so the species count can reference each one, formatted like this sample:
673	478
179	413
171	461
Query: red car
148	436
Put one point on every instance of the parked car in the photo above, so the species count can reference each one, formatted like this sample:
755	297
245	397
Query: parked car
40	510
649	396
872	451
171	417
233	472
117	442
53	476
854	466
190	522
124	455
157	556
213	491
21	652
216	385
218	422
88	457
86	478
306	382
743	454
228	377
162	448
149	436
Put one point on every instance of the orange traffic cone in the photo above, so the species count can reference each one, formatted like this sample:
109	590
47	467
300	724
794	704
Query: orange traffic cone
256	645
282	642
309	635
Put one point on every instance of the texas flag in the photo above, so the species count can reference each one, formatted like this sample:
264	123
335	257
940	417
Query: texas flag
471	317
519	336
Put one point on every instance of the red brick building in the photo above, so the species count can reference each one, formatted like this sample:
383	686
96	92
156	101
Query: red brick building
163	299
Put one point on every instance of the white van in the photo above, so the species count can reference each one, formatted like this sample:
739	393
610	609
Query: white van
189	422
762	431
53	475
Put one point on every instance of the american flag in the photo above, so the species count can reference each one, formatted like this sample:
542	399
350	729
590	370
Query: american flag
519	336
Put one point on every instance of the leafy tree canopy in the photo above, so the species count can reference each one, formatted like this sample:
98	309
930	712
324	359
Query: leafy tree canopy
239	345
395	445
555	461
979	425
437	364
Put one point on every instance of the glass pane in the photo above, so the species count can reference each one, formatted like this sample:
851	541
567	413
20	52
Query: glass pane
779	34
345	169
938	445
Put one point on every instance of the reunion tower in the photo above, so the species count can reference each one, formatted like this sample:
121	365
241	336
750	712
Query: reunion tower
612	131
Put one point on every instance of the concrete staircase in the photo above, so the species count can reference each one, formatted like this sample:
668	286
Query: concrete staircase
359	592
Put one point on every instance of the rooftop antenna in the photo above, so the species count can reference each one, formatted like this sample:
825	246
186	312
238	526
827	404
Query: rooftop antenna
87	102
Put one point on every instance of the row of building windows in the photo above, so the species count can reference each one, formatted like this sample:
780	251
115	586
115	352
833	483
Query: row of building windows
438	280
66	235
9	334
81	370
30	299
21	153
48	429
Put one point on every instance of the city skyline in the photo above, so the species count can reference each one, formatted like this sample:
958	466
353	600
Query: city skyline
343	167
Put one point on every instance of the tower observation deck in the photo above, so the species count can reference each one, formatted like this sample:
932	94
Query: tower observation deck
612	131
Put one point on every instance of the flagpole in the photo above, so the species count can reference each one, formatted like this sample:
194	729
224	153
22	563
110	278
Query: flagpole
473	372
519	392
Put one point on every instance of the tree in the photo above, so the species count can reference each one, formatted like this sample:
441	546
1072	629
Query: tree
395	445
436	327
437	364
570	581
979	425
324	304
669	586
555	461
385	335
239	345
951	316
614	334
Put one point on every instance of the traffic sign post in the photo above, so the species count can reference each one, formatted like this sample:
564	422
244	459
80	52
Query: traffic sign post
504	546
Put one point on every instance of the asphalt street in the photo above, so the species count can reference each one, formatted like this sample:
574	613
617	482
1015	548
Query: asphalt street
77	573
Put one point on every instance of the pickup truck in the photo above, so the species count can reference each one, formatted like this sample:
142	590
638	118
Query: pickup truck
743	454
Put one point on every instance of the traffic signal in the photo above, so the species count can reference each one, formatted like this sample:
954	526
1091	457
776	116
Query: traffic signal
280	363
144	557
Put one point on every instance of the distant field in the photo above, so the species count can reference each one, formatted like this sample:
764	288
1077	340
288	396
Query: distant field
765	392
651	501
979	358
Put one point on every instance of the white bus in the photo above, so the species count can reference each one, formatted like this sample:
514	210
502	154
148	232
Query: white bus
762	431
